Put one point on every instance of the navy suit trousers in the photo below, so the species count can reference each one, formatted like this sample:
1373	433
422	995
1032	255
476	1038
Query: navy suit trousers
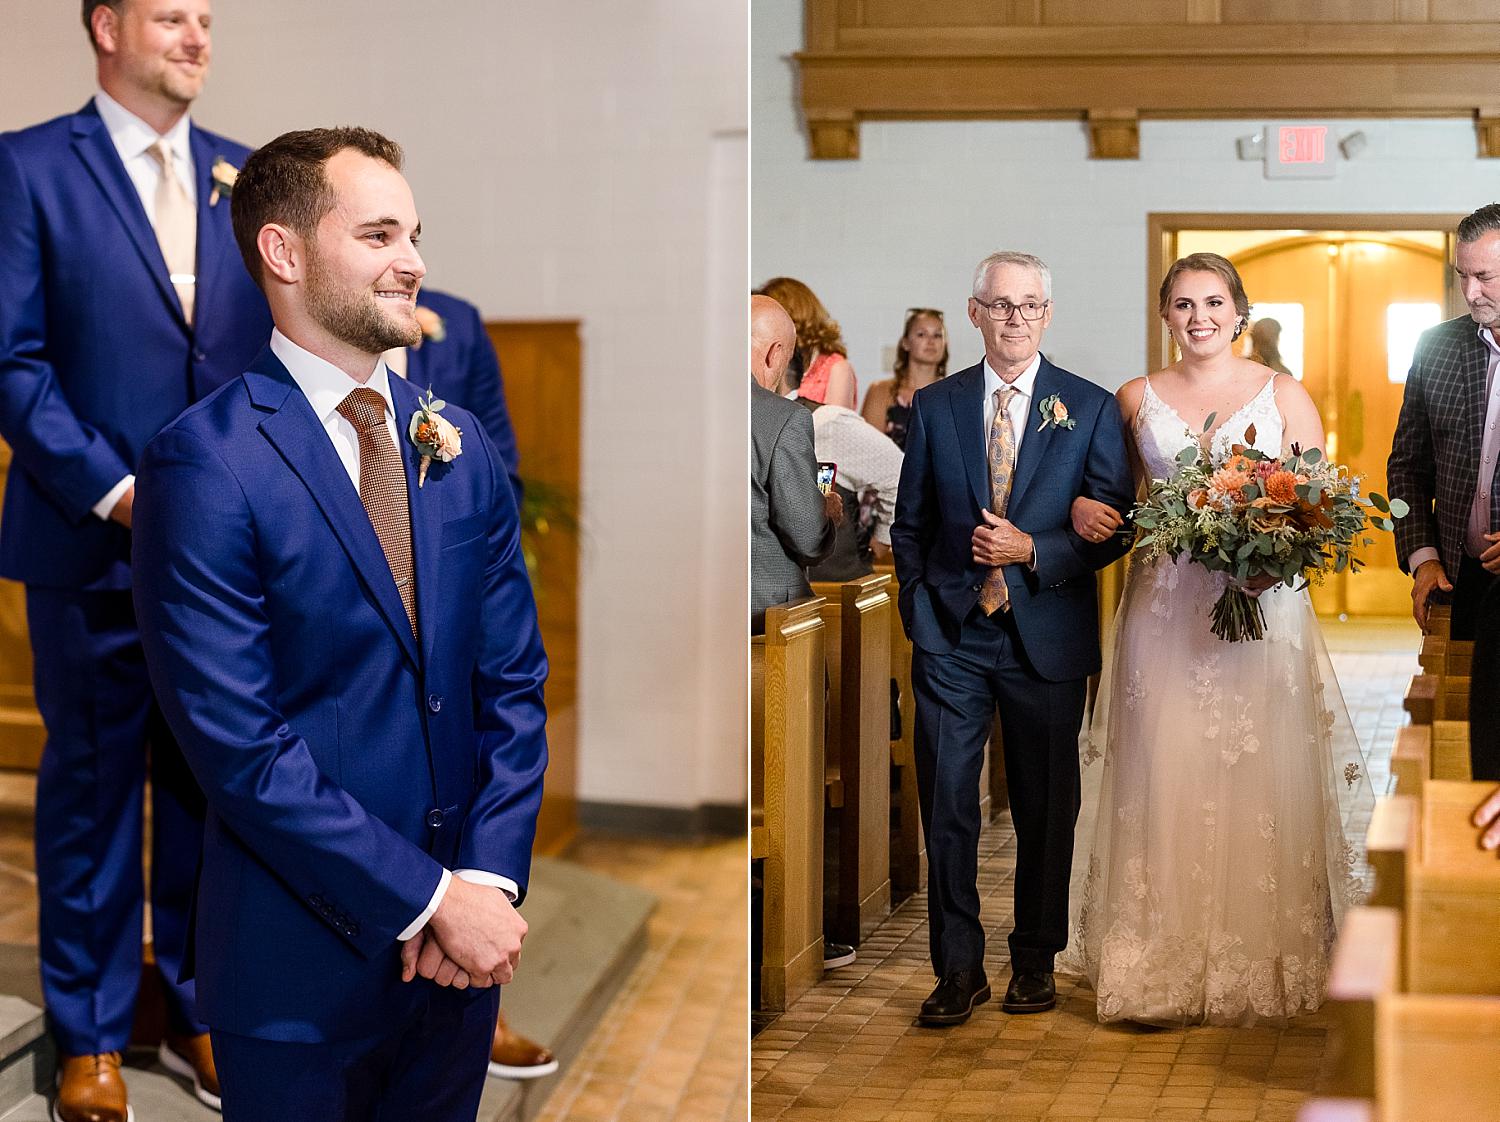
104	734
957	695
431	1068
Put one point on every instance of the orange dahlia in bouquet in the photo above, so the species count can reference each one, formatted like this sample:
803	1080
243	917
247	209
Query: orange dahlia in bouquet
1295	519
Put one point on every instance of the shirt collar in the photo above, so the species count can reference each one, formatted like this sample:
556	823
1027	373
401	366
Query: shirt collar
324	384
1024	384
132	136
1487	337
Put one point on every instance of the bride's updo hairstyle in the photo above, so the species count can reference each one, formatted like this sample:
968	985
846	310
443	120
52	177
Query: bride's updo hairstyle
1222	268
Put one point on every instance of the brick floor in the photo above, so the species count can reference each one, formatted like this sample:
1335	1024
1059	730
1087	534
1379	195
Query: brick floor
850	1050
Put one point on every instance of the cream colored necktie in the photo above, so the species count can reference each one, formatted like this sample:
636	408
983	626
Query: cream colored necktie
395	360
176	227
993	594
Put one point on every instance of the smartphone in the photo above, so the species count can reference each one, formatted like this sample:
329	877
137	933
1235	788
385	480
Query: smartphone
827	472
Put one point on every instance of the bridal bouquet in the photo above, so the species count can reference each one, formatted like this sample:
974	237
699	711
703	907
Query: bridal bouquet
1292	519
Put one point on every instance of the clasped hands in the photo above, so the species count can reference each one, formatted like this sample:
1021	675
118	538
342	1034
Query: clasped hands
997	542
473	939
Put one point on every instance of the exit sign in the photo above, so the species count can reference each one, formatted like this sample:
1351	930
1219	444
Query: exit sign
1299	152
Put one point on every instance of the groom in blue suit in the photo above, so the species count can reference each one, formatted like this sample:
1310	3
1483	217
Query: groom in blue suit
339	625
102	342
998	598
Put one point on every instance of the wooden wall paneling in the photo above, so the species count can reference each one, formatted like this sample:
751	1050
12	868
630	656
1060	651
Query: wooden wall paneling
541	363
1156	58
21	731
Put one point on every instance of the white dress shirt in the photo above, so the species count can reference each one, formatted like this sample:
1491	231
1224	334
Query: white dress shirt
1020	402
325	386
133	139
1479	508
865	456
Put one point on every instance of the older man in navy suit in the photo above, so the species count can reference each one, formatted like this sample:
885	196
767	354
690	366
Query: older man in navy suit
339	624
998	597
122	300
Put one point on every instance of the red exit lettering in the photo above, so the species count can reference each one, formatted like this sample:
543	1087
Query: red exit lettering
1302	144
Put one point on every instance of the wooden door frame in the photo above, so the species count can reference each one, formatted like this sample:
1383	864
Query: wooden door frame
1162	230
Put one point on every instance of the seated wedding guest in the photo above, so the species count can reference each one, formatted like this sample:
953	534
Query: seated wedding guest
1265	344
826	373
792	525
866	462
921	359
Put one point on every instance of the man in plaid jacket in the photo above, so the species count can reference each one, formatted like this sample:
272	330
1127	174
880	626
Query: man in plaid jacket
1443	456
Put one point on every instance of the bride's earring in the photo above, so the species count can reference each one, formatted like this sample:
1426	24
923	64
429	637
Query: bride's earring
1239	327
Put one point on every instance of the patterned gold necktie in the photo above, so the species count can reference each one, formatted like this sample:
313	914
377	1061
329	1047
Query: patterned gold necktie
382	488
176	227
1002	456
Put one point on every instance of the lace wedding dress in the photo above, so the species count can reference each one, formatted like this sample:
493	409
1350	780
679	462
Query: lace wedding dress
1231	788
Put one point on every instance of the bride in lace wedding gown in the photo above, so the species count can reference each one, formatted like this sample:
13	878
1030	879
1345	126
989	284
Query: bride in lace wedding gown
1231	787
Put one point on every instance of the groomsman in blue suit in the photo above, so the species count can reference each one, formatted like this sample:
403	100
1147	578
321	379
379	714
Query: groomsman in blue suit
122	300
338	621
998	598
457	361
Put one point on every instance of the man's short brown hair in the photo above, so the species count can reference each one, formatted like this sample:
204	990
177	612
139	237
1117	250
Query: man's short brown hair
284	182
89	7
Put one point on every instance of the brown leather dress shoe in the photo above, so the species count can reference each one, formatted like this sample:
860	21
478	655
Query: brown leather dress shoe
513	1056
89	1089
192	1058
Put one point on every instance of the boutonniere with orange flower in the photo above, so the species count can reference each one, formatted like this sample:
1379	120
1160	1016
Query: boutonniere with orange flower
432	326
436	438
1054	413
223	175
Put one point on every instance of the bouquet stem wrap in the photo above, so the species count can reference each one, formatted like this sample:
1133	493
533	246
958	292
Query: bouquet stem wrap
1238	617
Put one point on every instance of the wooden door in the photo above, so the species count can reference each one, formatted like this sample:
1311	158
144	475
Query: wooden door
541	365
1363	297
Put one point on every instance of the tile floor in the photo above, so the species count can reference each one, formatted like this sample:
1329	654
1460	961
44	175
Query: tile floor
849	1050
673	1044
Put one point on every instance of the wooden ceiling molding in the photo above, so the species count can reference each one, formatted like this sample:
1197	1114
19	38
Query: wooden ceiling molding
1112	63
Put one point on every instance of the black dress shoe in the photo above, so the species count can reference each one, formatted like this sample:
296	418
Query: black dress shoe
1029	992
954	998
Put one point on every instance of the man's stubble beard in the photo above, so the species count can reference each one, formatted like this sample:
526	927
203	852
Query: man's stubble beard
353	317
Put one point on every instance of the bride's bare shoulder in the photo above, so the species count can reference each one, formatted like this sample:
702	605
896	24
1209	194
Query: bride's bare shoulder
1129	396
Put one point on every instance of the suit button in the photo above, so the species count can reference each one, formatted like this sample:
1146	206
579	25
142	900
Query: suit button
199	356
977	587
435	819
434	703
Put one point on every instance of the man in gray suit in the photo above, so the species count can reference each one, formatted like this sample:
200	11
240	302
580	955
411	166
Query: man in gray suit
1447	442
792	525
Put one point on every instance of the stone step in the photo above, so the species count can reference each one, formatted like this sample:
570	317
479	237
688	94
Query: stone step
586	933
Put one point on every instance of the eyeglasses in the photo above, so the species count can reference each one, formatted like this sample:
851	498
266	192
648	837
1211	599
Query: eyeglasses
1001	309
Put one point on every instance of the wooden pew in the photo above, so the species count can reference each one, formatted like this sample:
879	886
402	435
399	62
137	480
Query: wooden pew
1446	657
908	847
786	778
1436	751
1433	697
1439	620
856	617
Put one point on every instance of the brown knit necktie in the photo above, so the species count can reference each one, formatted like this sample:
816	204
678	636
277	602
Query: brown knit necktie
994	595
382	488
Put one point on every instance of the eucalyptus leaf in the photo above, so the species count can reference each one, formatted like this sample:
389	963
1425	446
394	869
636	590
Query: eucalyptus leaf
1399	509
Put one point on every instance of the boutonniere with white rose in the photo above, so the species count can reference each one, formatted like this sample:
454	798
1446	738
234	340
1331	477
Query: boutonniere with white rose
223	174
435	438
1054	413
432	326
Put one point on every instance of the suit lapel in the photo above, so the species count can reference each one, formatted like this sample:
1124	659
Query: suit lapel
97	151
298	434
426	515
1035	443
212	243
967	403
1475	368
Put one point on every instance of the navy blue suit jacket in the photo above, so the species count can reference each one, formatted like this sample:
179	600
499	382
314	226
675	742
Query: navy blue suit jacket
944	485
95	355
463	368
344	763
